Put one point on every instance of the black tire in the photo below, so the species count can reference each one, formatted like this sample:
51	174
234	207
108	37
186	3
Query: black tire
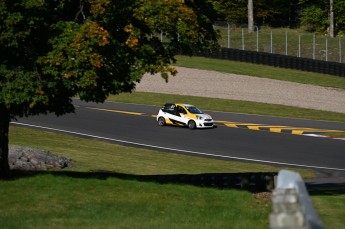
191	124
161	121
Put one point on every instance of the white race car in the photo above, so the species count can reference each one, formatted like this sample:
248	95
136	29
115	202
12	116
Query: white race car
183	115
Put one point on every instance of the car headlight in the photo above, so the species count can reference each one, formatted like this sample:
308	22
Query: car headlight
199	117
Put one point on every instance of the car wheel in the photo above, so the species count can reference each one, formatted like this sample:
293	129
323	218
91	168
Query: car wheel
161	121
191	124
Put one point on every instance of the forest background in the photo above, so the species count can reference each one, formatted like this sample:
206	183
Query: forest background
320	16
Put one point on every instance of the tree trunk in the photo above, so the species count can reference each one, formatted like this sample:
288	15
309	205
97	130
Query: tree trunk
250	16
4	128
331	19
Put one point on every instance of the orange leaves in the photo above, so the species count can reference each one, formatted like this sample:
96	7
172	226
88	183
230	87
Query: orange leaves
40	92
96	32
129	28
134	33
95	60
67	75
132	42
185	10
85	43
90	33
98	7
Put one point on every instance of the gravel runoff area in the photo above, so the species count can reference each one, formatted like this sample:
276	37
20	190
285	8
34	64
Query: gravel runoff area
196	82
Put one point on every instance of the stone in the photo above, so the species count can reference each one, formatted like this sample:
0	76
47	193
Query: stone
26	158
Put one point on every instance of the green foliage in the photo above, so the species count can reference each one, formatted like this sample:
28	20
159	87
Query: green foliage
266	12
54	50
339	11
315	19
315	15
275	13
232	11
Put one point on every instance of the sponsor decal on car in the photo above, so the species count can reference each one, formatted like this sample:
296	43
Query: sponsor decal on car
183	115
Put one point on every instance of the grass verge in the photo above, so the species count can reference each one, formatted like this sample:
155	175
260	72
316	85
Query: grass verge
228	106
329	202
78	198
263	71
63	201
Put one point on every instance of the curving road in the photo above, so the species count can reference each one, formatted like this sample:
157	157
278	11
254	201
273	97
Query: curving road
232	139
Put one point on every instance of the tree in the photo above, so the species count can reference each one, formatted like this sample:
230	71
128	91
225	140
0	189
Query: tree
324	16
331	19
314	15
54	50
275	13
250	16
339	19
233	11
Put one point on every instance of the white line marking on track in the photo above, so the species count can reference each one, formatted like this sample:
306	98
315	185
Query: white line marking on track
176	150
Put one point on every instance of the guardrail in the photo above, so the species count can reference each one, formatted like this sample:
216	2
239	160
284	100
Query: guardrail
276	60
291	204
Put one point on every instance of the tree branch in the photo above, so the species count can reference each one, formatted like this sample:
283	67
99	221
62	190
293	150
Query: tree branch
81	8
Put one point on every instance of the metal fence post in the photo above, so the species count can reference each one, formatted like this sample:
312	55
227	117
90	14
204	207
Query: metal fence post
299	45
257	38
242	38
271	42
234	37
286	43
339	49
228	35
326	48
314	46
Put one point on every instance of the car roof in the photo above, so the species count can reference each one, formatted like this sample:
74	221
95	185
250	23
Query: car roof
184	104
181	104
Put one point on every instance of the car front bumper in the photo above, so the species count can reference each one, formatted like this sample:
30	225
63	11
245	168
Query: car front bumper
204	124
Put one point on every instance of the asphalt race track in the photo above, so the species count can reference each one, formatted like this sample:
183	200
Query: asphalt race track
236	136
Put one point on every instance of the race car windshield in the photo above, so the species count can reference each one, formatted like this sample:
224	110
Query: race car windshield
194	110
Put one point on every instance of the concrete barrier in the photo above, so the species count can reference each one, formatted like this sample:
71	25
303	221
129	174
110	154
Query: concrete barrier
291	204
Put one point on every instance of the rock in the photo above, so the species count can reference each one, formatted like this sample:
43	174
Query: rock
26	158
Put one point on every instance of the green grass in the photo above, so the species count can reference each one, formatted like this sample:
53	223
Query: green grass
62	201
78	198
326	202
228	106
261	71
